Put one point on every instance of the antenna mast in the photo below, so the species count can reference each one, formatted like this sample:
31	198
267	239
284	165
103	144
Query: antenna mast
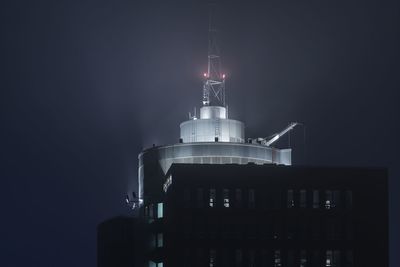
214	85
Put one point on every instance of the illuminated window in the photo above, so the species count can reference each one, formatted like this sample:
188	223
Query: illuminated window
277	258
155	264
290	198
303	198
212	259
332	258
315	199
252	198
212	198
328	200
226	198
160	210
303	258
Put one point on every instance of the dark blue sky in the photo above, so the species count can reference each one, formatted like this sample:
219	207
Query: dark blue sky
86	84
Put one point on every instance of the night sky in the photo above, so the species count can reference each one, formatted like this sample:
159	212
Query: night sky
85	85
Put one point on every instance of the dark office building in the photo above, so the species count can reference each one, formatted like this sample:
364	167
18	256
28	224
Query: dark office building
121	242
268	215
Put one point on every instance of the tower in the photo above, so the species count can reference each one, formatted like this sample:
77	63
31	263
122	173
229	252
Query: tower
216	198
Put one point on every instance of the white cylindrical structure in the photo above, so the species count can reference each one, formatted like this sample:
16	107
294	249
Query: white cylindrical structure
213	112
213	125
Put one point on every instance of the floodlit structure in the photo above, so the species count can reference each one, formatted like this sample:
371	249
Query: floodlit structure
211	138
219	199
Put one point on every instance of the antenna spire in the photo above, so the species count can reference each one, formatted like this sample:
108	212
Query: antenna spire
214	84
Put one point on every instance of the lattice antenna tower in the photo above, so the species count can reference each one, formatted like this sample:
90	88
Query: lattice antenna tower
214	84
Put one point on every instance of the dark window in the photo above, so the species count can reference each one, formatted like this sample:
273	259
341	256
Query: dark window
290	198
238	198
238	257
290	258
315	199
303	198
315	260
252	199
349	199
336	199
252	258
186	197
200	198
349	261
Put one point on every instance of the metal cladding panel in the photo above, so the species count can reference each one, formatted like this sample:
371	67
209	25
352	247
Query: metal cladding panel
213	112
205	130
155	162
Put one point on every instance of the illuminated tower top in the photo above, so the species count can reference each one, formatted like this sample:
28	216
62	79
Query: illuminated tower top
214	84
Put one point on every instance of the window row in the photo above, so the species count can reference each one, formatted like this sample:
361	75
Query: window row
329	229
154	211
268	258
251	198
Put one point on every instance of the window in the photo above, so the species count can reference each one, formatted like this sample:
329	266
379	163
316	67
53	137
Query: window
160	210
328	200
226	198
186	197
153	241
349	199
290	198
225	257
238	198
212	259
252	199
332	258
290	258
160	241
151	211
315	199
277	258
336	199
252	258
349	261
303	258
265	258
200	199
315	258
303	198
238	257
155	264
212	198
276	228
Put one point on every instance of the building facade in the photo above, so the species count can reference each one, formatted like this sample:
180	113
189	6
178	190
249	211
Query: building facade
268	215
